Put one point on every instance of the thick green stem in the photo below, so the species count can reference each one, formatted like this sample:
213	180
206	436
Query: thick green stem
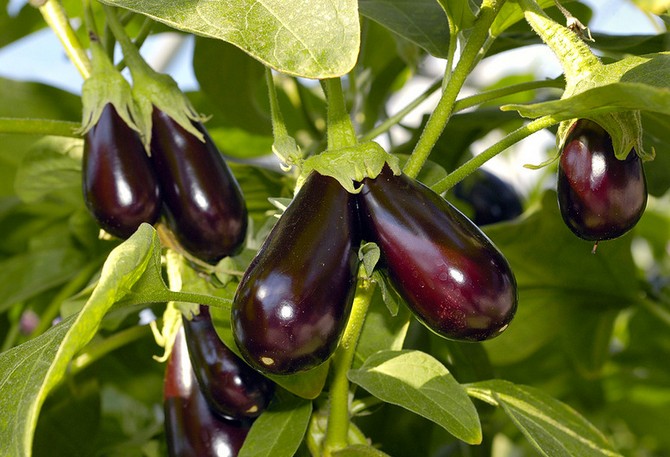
445	107
477	161
339	415
341	133
55	17
40	127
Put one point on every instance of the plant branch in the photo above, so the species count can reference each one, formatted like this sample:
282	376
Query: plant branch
40	127
56	18
339	415
445	107
473	164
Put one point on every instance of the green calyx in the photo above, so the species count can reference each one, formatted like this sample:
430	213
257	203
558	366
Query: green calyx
350	164
584	71
106	85
152	89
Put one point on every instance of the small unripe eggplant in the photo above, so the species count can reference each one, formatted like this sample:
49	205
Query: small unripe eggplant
204	205
492	199
232	387
600	197
449	273
119	185
293	302
191	427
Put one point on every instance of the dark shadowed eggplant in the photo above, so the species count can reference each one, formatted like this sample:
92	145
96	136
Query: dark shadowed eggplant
120	188
231	387
191	427
204	205
491	198
600	196
450	274
293	302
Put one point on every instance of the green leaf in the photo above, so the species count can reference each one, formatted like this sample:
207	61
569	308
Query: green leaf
26	275
309	38
459	13
552	427
510	13
422	22
279	431
550	291
54	164
30	371
359	450
308	384
421	384
237	105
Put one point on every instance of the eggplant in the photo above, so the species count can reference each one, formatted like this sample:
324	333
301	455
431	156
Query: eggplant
292	305
599	196
491	198
191	427
204	205
452	277
120	188
232	387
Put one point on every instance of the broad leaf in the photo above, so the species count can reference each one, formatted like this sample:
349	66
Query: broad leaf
422	22
309	38
551	291
552	427
280	429
30	371
421	384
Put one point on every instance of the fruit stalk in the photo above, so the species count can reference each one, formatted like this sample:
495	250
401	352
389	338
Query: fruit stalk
445	107
338	417
54	15
341	133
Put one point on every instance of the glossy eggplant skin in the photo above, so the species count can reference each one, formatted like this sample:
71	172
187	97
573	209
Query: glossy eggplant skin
449	273
599	196
492	199
204	205
293	302
120	188
191	427
232	387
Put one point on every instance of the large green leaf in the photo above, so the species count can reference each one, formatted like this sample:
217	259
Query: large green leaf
557	276
633	83
552	427
418	382
280	429
30	371
422	22
309	38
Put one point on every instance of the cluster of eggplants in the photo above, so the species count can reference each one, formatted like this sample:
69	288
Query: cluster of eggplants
292	304
449	273
294	299
491	198
192	427
600	197
186	179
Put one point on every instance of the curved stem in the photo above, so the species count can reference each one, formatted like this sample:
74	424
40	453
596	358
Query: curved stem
473	164
55	17
494	94
40	127
339	415
445	107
